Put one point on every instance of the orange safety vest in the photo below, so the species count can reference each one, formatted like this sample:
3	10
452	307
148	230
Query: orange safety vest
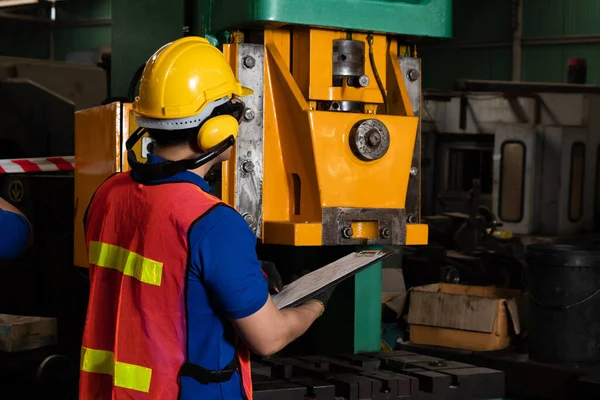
134	342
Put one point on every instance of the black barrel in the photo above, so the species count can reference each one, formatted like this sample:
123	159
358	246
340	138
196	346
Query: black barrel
564	291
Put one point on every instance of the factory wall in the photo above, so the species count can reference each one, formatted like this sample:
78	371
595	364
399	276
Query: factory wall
136	29
475	24
85	38
33	40
553	32
556	19
139	28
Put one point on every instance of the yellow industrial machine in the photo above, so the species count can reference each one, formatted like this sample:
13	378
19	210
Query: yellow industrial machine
320	161
328	155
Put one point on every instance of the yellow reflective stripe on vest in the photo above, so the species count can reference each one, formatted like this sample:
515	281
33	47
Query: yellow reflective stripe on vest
128	262
127	376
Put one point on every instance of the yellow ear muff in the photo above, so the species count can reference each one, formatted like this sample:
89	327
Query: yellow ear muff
217	129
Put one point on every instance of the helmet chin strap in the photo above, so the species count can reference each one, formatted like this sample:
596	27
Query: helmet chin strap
166	169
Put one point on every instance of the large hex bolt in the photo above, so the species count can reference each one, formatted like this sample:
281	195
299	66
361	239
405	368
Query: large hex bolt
249	114
248	166
414	171
413	75
249	218
373	138
347	232
358	81
369	139
249	62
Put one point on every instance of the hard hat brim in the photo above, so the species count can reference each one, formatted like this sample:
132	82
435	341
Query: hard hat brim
246	92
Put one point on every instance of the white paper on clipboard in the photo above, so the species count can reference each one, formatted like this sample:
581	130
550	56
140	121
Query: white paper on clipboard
310	284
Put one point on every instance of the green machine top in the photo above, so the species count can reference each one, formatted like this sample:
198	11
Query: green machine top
431	18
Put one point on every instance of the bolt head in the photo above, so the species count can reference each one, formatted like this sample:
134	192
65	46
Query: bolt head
373	138
364	81
414	171
248	166
347	232
386	233
411	219
249	62
413	75
249	218
249	114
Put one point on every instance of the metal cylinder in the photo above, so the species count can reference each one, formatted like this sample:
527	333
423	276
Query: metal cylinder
348	57
341	106
358	81
369	139
345	106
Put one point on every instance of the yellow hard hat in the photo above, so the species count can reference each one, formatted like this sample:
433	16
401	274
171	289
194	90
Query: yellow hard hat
182	78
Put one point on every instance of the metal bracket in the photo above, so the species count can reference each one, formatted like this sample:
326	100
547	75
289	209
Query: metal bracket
411	70
249	143
337	220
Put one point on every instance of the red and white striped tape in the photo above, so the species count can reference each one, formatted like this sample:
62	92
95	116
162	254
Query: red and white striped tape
51	164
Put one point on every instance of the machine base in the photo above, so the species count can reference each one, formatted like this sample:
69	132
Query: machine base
310	234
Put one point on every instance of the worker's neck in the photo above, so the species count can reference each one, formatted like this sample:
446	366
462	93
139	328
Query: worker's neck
183	153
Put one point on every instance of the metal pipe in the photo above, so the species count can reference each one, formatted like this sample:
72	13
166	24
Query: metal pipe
538	41
24	7
573	39
16	3
517	52
522	88
51	41
55	25
461	46
192	17
82	24
51	44
24	18
197	16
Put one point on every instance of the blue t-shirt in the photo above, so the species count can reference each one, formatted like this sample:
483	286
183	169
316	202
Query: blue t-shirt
224	254
14	234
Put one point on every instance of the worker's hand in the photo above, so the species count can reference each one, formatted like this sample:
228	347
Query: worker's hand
274	281
325	295
321	298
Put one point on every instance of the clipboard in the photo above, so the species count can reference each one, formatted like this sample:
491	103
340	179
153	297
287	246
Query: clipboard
320	280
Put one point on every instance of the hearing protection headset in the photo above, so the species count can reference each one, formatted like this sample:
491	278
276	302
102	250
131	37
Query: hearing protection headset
188	83
218	126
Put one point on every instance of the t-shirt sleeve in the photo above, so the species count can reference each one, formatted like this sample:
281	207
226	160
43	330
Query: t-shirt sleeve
229	265
14	234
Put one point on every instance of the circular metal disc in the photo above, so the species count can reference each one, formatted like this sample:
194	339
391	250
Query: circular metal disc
369	139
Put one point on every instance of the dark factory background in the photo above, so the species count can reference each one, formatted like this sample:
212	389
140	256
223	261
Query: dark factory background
500	301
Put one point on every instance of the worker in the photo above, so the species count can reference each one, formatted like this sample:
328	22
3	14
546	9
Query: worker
15	231
177	295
